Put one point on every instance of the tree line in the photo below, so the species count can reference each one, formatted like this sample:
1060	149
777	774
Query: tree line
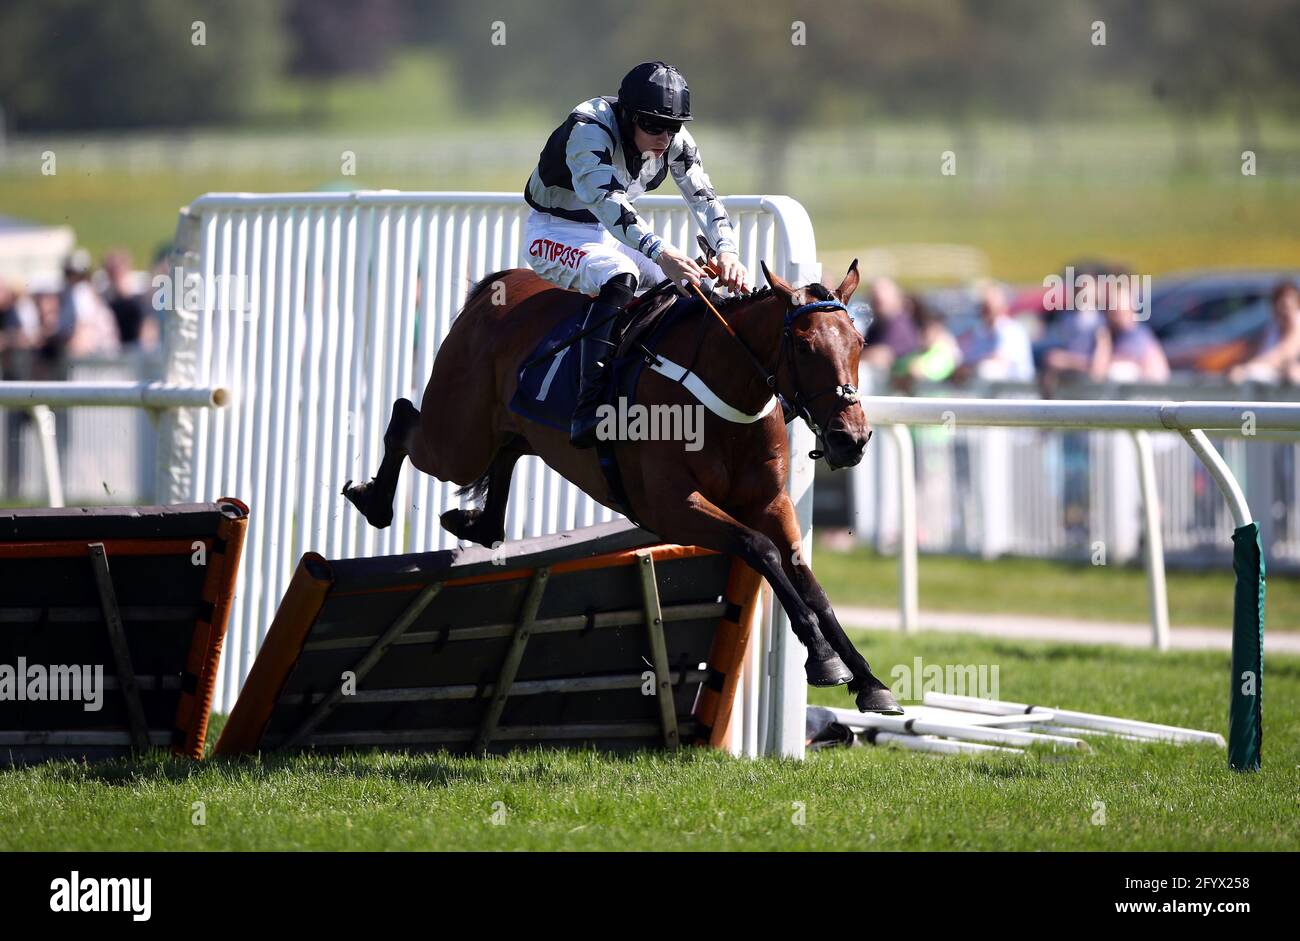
780	65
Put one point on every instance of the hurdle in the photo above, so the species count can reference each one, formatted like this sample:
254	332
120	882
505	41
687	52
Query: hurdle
919	723
113	620
601	637
1085	722
950	724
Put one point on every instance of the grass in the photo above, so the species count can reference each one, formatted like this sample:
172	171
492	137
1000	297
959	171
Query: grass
1048	588
1156	797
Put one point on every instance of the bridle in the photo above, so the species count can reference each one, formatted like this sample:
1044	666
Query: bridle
800	405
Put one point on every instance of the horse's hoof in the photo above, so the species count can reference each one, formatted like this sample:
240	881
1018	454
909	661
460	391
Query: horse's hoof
828	672
470	526
460	523
377	513
878	700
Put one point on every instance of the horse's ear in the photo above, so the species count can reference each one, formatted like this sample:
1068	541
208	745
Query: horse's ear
849	284
778	284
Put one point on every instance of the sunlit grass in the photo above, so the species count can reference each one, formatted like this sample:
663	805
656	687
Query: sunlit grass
1155	797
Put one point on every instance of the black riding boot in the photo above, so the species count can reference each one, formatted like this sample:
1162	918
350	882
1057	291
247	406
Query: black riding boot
594	348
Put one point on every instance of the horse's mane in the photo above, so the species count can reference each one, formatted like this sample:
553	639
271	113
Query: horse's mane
818	291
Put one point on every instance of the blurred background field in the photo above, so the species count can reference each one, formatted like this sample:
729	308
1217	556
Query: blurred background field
1063	148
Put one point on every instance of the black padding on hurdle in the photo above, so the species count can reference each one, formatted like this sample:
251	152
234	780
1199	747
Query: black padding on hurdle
51	616
367	595
114	522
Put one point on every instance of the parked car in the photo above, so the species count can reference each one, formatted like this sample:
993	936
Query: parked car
1210	321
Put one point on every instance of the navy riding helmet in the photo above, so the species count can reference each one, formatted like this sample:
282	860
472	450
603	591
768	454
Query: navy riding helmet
656	90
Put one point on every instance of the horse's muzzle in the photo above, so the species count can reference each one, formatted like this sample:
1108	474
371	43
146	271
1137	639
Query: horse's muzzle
845	449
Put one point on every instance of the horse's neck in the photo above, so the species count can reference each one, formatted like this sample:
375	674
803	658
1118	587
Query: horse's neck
760	325
729	369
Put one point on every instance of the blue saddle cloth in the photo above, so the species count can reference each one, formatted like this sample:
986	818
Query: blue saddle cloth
547	392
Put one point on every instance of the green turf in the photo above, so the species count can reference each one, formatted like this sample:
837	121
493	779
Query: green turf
1048	589
1156	797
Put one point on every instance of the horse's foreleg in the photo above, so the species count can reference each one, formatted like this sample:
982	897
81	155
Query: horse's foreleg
696	521
779	523
374	498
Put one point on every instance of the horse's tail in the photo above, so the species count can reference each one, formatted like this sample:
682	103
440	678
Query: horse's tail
484	283
479	488
509	451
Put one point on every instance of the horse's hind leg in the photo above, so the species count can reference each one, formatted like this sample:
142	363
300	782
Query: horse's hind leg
374	498
487	525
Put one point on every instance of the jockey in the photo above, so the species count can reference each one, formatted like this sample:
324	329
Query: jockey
583	233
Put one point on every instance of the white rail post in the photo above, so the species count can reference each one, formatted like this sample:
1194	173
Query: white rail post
46	435
908	590
1154	551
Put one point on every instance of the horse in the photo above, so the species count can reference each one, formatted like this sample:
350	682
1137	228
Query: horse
728	495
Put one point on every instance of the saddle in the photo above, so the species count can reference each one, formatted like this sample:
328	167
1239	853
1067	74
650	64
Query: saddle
640	318
548	381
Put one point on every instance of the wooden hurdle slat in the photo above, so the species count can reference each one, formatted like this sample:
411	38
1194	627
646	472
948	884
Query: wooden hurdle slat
510	662
654	624
577	684
367	662
117	640
603	619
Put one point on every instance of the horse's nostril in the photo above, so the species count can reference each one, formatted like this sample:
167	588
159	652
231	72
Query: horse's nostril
846	443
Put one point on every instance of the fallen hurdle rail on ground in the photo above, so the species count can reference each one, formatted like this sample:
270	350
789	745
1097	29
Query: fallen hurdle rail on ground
1189	419
950	724
120	609
1085	722
600	637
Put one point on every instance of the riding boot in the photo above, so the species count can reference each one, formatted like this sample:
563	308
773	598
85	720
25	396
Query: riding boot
594	348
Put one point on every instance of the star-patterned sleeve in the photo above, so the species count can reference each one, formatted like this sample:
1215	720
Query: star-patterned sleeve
684	161
590	156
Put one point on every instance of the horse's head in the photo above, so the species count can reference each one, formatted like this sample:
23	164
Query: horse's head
817	369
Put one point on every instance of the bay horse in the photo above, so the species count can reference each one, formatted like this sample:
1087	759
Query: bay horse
728	495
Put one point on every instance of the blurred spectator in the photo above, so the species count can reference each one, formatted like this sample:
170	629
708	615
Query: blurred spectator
997	348
1126	351
892	332
86	325
136	325
1069	347
1278	356
20	331
937	355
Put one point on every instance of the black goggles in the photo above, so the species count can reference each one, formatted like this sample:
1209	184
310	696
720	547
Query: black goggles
656	126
